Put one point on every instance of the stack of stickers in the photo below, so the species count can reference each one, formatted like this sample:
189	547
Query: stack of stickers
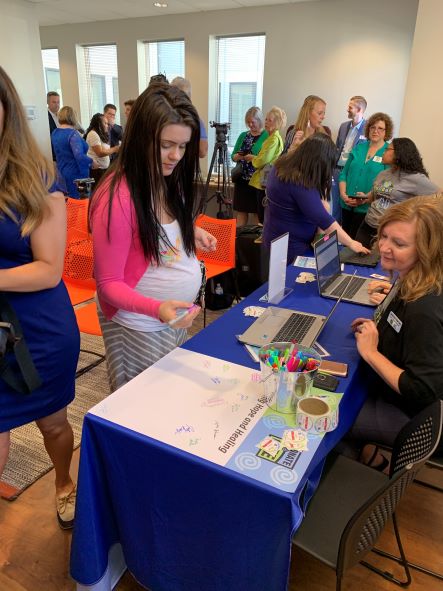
293	439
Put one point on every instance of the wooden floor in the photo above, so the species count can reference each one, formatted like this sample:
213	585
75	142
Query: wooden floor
34	552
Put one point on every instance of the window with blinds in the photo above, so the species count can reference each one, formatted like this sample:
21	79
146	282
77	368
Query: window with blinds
164	57
51	71
97	80
239	71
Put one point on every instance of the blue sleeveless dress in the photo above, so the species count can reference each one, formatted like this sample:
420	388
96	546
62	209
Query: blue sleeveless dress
51	333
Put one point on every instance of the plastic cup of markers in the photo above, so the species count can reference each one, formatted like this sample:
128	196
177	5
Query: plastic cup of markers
283	389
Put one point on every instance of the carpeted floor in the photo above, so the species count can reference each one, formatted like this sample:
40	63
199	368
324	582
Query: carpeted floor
28	459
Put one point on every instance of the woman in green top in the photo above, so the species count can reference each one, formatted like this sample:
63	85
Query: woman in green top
271	149
363	165
248	142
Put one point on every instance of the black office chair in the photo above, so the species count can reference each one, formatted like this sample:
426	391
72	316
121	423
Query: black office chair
353	502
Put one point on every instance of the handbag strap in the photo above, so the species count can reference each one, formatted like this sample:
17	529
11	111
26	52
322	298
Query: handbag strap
29	380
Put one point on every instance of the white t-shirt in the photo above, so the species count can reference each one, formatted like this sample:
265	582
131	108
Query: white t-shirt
93	139
178	277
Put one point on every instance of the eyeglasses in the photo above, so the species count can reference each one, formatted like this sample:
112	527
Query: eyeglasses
375	128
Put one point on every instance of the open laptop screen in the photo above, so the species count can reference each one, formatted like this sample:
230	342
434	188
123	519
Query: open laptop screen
327	260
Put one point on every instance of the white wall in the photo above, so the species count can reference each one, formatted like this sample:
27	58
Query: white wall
422	119
333	48
20	57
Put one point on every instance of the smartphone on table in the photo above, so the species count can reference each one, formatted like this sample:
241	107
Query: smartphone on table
334	368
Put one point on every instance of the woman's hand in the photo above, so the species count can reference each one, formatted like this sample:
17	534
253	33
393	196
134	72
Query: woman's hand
358	247
296	140
238	156
378	290
366	336
204	240
350	201
170	309
364	197
248	157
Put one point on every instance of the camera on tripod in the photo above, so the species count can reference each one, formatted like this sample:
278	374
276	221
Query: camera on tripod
84	187
220	163
221	130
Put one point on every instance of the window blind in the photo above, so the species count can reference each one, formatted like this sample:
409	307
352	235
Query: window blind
239	70
97	80
51	71
164	57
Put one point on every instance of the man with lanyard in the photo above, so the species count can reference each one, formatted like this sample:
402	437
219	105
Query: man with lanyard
349	135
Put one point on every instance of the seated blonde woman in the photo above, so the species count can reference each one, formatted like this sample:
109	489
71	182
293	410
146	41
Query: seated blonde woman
308	122
271	149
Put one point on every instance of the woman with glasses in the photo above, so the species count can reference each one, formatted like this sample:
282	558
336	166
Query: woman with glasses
406	178
248	143
365	162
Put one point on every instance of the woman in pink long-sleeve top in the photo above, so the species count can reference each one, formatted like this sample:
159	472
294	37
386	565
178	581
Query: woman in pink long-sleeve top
142	219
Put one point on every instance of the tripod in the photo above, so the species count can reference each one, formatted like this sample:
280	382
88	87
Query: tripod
220	158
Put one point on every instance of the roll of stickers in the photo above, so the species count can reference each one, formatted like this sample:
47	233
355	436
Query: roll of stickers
314	415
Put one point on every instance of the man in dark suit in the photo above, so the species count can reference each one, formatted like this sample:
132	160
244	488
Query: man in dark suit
53	102
349	135
115	131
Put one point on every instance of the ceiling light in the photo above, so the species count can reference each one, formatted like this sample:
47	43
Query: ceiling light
161	4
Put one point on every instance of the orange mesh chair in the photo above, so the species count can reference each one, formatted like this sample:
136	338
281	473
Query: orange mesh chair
78	273
87	320
223	258
78	265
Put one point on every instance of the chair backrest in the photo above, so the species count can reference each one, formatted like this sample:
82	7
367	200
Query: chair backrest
78	265
77	216
364	528
419	438
224	231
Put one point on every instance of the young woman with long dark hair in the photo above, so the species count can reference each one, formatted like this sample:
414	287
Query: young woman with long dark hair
296	186
142	218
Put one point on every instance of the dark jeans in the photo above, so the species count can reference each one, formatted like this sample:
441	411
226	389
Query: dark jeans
366	234
351	221
378	422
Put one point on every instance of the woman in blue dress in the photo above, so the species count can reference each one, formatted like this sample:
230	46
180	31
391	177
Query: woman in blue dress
70	150
32	242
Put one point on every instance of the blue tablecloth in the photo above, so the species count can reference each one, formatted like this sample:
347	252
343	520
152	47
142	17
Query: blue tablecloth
186	524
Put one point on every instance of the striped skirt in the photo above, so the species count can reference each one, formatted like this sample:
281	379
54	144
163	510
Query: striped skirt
129	352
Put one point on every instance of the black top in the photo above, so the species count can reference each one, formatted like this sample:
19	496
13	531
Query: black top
411	337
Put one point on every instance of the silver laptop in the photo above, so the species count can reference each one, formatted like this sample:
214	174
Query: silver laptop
332	283
284	325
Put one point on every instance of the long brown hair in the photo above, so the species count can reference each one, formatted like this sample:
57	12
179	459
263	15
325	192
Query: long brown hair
426	277
139	163
25	174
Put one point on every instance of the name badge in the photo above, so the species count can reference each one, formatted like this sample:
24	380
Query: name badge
377	159
395	322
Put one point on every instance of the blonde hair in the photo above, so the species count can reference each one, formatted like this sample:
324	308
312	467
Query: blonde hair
301	122
279	116
68	116
183	84
25	174
426	276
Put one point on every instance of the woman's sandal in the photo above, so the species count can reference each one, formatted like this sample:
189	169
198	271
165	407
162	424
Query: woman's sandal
377	460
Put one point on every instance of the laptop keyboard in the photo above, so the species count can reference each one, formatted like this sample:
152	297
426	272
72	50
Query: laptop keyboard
295	328
352	287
